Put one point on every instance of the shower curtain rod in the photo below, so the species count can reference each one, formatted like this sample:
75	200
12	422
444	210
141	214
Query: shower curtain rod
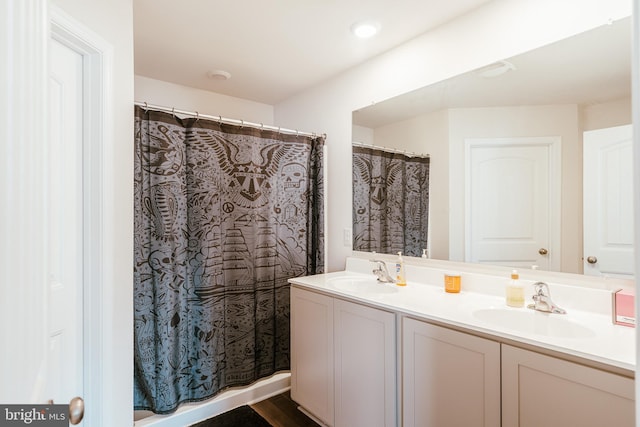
227	120
391	150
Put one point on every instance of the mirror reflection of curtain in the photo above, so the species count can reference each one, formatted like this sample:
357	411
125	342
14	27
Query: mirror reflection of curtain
224	216
390	201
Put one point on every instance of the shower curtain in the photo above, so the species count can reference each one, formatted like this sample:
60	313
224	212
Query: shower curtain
224	215
390	201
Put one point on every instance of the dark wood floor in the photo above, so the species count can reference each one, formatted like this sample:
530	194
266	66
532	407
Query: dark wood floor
281	411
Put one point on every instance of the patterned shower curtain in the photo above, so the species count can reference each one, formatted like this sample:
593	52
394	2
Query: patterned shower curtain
224	215
390	201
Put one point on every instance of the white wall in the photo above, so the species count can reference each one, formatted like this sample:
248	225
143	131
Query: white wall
112	21
186	98
501	29
607	114
362	134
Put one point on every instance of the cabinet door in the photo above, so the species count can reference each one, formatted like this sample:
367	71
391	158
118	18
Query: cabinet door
540	390
312	353
365	363
449	378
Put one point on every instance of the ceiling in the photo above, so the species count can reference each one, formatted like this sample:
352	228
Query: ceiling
273	49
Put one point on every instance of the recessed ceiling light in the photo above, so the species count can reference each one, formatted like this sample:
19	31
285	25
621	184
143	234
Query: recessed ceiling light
219	75
365	29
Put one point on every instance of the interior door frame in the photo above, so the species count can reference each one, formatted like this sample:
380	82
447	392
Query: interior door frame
553	143
97	63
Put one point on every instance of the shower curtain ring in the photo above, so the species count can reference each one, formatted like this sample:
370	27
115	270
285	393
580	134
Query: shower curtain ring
173	112
197	116
146	106
241	123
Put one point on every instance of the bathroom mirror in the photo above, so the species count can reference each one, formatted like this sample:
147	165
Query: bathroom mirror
557	91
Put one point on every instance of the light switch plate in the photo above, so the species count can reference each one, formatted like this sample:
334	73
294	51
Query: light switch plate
346	237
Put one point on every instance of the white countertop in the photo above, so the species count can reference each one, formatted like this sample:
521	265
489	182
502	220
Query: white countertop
584	336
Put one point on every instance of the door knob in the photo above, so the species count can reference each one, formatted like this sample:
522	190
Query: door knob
592	259
543	251
76	410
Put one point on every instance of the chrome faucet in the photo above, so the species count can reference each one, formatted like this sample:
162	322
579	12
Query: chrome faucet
381	271
542	299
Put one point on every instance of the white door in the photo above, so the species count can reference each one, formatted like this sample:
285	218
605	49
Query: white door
608	202
512	203
66	213
23	210
40	245
40	212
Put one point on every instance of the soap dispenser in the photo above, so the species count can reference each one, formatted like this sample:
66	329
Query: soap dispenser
400	277
515	291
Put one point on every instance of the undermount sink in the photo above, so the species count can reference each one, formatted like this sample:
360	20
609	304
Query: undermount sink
533	322
362	284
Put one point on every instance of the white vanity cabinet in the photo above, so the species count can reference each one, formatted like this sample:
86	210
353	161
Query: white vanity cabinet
312	353
540	390
368	363
343	360
449	378
365	366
